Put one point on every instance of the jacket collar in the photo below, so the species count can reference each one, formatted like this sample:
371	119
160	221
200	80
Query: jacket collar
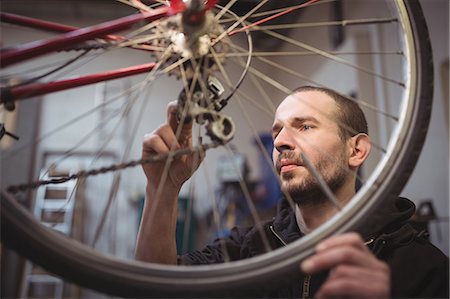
285	223
387	218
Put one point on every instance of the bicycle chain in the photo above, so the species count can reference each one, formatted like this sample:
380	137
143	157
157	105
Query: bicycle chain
112	168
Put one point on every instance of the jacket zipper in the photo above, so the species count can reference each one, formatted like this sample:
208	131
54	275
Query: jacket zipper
370	241
306	285
306	279
276	235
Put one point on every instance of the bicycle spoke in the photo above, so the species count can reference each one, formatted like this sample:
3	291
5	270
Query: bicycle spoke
224	10
323	185
305	53
136	4
221	67
326	24
216	215
253	212
117	176
136	41
188	217
239	21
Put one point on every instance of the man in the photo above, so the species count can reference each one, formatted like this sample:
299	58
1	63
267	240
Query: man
312	126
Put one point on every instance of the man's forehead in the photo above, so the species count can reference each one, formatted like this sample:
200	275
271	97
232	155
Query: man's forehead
307	102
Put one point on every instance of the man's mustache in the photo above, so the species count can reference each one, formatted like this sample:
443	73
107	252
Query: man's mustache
290	156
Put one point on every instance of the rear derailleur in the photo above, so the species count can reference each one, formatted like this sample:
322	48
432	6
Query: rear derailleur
200	101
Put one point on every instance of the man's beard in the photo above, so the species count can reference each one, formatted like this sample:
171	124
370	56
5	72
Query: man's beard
308	191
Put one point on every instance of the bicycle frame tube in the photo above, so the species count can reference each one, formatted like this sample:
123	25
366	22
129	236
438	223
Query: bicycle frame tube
35	89
43	25
35	23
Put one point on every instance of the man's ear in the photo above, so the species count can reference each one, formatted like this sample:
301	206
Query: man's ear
360	146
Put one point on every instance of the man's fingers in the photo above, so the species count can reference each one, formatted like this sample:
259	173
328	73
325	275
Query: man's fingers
185	134
160	141
335	256
360	273
172	115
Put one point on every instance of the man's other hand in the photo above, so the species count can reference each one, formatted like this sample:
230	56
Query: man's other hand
354	271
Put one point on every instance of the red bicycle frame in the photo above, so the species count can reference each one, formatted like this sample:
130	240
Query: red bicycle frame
71	36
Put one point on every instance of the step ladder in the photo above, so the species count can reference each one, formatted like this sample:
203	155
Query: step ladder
53	207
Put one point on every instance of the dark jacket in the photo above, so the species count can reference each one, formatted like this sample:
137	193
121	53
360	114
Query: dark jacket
418	269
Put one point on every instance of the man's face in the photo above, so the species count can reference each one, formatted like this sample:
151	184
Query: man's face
305	122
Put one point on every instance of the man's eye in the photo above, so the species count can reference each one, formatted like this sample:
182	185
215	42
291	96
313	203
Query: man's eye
306	127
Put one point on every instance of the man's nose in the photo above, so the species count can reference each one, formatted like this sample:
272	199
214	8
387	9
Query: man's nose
284	141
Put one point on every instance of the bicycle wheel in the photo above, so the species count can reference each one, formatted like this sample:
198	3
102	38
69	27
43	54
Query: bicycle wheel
397	65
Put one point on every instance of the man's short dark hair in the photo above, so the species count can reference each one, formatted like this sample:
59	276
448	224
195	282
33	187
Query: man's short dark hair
350	117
